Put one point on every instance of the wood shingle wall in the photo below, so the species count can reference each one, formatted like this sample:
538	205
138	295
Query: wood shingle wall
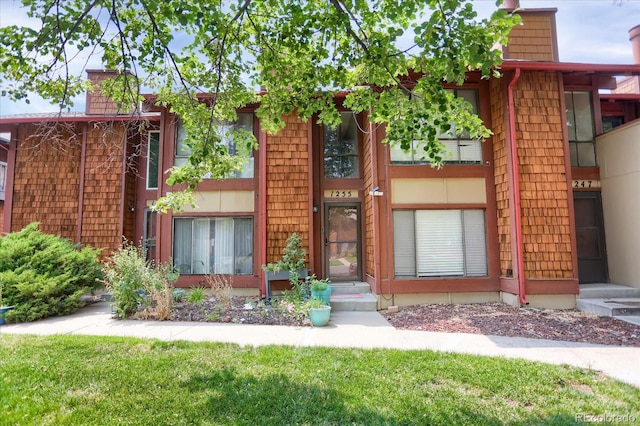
48	176
543	177
287	186
103	186
368	166
500	153
535	39
46	179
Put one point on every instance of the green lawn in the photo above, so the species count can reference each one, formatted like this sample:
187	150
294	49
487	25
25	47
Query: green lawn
69	380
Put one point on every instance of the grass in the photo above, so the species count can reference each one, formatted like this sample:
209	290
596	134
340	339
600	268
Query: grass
72	380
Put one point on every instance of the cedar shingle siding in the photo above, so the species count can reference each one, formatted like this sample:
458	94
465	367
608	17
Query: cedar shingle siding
46	180
543	177
368	200
103	186
500	153
287	186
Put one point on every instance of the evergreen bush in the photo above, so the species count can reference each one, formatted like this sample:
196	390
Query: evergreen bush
44	275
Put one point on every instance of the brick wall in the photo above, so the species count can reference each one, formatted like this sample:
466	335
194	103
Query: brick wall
500	153
543	177
287	186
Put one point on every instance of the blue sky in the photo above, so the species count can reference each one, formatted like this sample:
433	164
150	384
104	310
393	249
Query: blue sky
589	31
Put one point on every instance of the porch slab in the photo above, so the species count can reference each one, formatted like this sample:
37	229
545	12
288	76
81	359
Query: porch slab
354	302
610	307
607	291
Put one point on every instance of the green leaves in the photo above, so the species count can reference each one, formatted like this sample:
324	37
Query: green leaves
298	51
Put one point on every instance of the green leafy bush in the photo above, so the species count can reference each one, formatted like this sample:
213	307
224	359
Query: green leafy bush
44	275
136	283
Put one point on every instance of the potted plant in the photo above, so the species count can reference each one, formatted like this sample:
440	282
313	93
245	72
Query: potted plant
320	289
319	312
3	309
290	267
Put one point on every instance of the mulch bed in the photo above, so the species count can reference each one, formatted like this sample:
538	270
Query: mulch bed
499	319
495	319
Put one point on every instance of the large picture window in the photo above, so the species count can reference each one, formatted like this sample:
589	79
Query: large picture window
439	243
461	149
341	149
224	128
213	245
582	145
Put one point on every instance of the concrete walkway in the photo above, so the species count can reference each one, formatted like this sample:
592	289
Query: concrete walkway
347	330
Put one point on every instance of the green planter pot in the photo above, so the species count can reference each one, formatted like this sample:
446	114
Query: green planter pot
320	316
4	310
324	295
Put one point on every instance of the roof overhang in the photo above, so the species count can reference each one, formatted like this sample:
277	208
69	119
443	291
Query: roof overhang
75	118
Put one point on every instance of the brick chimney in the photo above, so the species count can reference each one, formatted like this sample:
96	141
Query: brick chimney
99	104
536	39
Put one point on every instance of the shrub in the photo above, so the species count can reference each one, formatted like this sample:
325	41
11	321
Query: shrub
221	289
44	275
197	295
136	283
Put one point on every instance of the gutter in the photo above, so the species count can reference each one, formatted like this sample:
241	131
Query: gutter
513	150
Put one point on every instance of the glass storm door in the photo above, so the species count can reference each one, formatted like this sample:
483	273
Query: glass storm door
342	242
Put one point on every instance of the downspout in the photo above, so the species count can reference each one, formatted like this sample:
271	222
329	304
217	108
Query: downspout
262	152
513	150
83	163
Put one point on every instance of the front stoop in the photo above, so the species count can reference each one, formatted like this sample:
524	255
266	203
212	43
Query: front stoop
352	296
610	300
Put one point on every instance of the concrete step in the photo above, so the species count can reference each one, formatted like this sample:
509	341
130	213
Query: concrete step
350	287
607	291
354	302
623	306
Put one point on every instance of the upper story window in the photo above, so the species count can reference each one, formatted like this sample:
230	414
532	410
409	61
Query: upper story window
582	145
341	159
461	149
225	128
153	156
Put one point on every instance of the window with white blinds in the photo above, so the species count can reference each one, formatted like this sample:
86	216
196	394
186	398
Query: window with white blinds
439	243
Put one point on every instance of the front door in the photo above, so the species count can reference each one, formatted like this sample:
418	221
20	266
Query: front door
342	242
592	257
